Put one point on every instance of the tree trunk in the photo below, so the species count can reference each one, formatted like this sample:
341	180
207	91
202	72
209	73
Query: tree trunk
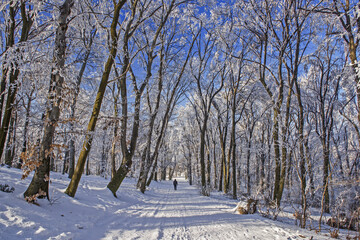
227	168
113	151
284	152
222	171
87	170
310	170
222	137
128	152
40	181
148	159
208	164
142	169
116	127
326	166
248	182
190	169
163	173
262	172
120	174
153	175
26	126
233	141
202	156
71	155
215	165
10	41
104	156
66	157
10	144
171	172
302	154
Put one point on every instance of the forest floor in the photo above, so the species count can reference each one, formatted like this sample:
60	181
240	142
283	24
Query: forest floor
160	213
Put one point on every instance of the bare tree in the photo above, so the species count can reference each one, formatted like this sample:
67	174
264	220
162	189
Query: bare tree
71	189
206	91
39	185
10	68
128	149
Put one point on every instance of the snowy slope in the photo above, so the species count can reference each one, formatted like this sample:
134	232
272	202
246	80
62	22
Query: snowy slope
160	213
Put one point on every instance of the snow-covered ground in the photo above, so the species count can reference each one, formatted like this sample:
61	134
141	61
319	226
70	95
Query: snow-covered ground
160	213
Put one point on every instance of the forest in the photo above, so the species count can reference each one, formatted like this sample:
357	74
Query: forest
251	98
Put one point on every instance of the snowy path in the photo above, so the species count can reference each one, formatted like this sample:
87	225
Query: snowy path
183	214
160	213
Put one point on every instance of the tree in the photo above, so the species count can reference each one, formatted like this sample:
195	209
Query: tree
344	14
88	42
114	35
222	126
301	42
146	164
326	72
40	182
27	106
128	150
10	68
208	86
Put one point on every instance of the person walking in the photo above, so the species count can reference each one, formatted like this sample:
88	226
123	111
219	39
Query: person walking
175	183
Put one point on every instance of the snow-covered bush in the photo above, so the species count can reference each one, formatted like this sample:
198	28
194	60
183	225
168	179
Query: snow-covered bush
346	212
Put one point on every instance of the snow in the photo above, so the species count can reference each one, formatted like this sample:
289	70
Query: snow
160	213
